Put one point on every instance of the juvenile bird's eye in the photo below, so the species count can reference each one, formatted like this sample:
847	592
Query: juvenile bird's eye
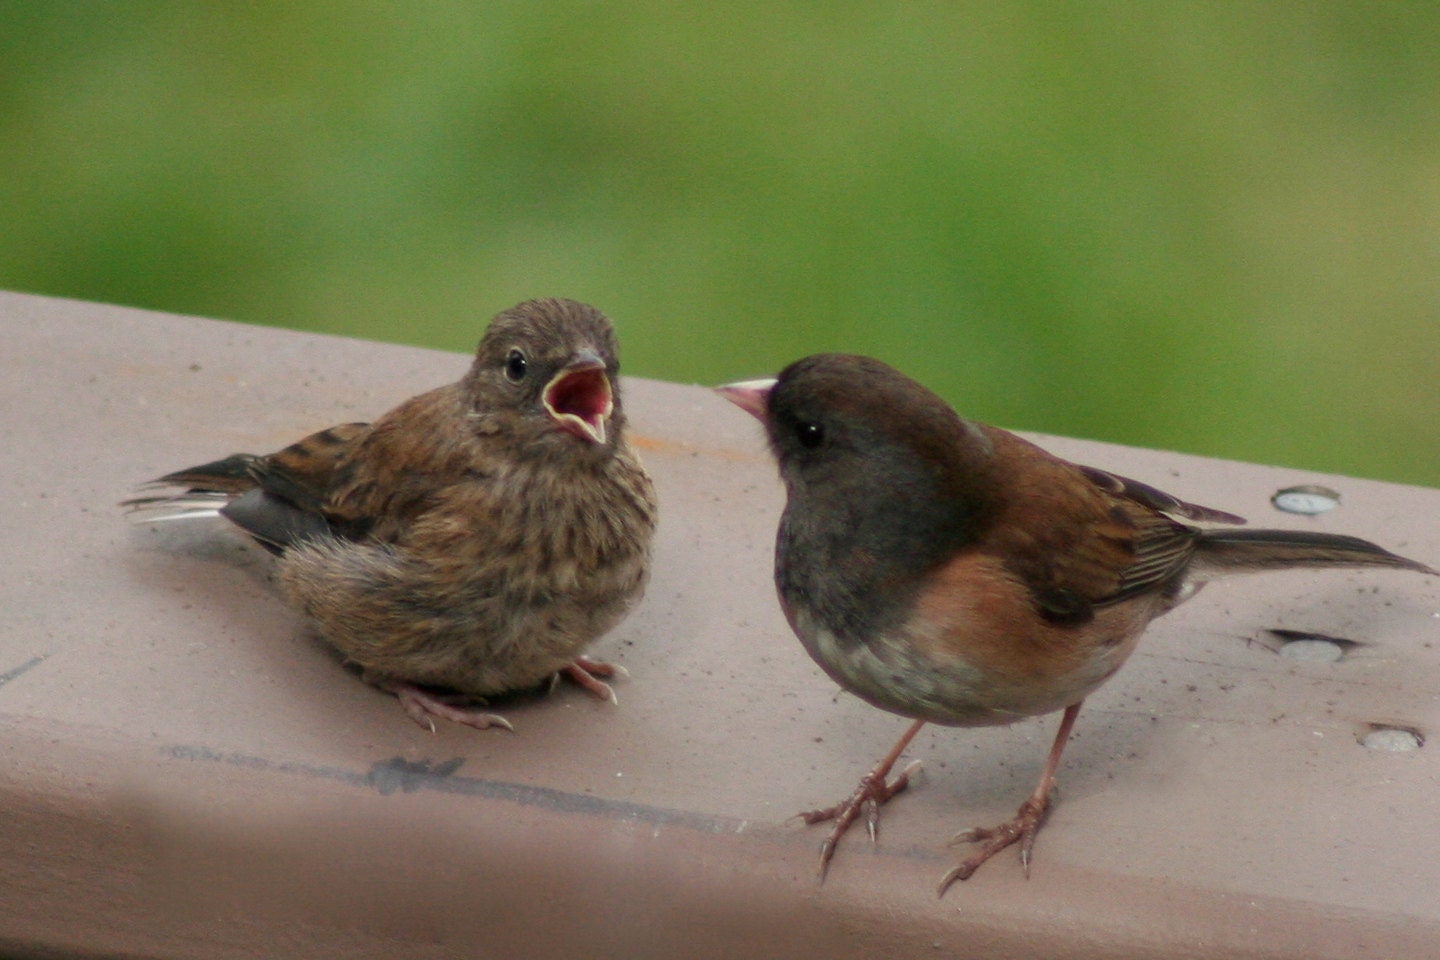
810	433
515	366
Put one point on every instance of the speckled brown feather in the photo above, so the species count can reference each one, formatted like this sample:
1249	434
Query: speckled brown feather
468	539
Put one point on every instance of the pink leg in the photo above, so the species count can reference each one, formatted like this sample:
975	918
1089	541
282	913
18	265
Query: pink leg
1026	823
872	792
586	673
421	706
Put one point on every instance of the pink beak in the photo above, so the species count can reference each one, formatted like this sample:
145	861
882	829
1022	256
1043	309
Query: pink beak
752	396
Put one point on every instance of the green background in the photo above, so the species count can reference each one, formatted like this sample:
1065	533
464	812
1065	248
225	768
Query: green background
1212	227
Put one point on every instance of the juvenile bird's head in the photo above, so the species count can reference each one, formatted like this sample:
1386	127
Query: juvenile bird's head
546	372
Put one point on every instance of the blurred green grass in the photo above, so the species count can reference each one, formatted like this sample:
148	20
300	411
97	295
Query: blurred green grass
1207	227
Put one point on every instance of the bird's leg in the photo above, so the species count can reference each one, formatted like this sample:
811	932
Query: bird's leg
586	673
421	706
1027	820
872	791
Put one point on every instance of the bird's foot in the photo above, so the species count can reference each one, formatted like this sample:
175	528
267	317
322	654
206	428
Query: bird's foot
1023	827
872	792
586	673
423	706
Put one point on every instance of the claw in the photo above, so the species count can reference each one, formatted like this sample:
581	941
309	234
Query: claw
1024	826
585	674
871	793
422	706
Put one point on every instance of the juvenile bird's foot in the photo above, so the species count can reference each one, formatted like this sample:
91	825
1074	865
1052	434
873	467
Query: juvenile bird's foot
422	706
586	673
1023	827
873	791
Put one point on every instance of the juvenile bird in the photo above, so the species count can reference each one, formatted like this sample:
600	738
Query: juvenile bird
957	574
473	540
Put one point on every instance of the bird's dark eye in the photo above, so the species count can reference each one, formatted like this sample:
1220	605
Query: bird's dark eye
810	434
515	366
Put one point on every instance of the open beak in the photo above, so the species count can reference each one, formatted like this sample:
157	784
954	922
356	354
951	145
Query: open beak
752	396
579	398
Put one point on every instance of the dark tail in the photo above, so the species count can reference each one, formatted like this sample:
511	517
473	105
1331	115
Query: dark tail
231	475
1241	550
205	490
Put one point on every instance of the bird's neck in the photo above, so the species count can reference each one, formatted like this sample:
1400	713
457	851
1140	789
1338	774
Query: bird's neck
851	560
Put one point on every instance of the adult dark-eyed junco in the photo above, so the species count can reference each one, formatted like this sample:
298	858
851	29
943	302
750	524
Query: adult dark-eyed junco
475	539
957	574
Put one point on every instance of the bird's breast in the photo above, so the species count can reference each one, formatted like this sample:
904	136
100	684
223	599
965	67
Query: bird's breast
972	651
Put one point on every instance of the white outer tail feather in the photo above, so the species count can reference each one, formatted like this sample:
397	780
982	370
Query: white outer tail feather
183	506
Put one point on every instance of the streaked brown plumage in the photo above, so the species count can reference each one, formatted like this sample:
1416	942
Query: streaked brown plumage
474	539
957	574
